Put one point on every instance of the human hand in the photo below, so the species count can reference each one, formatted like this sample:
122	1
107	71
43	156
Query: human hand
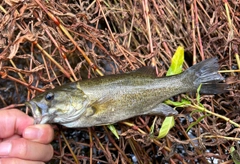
21	142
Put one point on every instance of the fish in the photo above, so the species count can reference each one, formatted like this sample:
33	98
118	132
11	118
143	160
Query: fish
114	98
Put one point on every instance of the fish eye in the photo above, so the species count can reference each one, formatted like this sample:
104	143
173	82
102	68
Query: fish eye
49	96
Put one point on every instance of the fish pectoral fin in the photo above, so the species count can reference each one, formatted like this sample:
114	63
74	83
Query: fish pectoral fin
163	110
99	105
90	111
95	110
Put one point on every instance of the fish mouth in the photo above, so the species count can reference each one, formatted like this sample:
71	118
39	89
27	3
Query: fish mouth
36	112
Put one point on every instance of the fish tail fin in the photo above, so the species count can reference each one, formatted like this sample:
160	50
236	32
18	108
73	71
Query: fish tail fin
206	73
213	88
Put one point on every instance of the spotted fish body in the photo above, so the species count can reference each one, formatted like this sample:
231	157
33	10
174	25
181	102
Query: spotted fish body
113	98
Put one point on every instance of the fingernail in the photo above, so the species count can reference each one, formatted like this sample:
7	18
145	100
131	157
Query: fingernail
5	148
32	133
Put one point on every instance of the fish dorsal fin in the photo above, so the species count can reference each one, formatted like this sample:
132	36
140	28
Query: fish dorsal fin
145	71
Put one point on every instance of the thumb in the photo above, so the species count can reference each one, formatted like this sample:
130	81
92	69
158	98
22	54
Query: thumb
13	121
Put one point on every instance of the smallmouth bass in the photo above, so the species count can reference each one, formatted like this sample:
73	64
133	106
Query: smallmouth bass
113	98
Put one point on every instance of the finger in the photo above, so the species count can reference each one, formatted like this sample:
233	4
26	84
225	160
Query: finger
18	161
25	149
13	137
39	133
13	121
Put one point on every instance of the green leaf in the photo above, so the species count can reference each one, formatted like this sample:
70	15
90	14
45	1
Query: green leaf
152	126
168	123
235	155
177	62
182	103
232	149
198	94
195	111
113	130
196	122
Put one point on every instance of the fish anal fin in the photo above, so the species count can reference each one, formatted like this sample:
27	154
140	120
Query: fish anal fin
163	110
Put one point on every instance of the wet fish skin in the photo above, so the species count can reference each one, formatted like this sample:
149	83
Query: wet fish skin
114	98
